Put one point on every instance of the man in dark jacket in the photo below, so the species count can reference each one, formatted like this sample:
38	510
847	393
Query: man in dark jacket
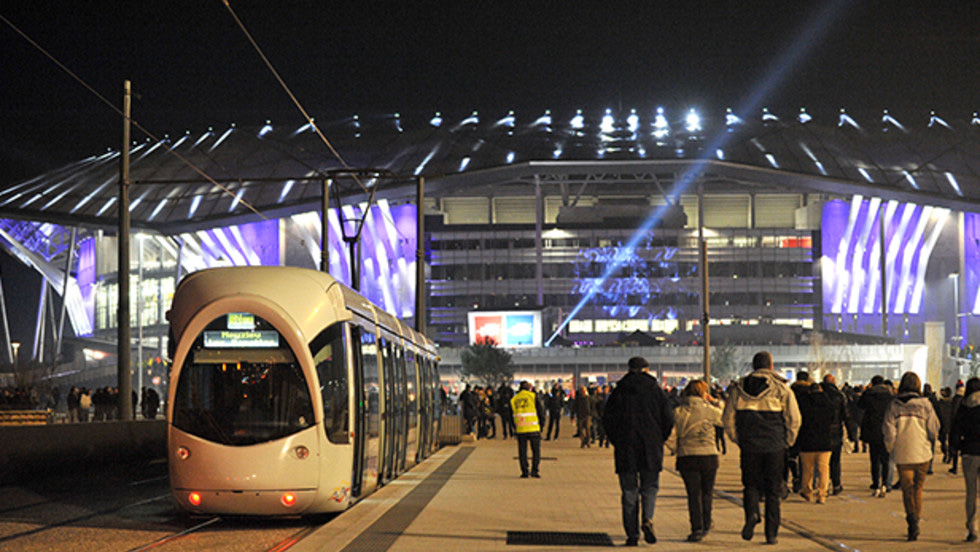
840	421
638	420
762	416
815	441
964	440
874	401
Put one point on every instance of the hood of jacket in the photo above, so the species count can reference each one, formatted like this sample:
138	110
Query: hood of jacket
971	400
761	383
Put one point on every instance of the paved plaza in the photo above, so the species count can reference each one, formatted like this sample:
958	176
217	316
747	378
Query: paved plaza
482	498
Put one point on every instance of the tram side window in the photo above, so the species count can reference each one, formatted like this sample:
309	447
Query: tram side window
369	363
331	369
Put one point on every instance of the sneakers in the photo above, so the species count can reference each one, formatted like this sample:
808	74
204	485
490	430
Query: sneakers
772	540
696	536
631	542
972	537
880	492
821	500
648	534
749	528
838	489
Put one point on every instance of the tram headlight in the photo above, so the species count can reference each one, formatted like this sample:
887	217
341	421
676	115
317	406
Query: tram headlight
194	498
288	500
301	452
183	453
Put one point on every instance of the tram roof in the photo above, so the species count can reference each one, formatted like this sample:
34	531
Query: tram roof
217	177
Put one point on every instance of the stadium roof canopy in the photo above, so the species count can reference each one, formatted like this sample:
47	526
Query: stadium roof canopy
225	176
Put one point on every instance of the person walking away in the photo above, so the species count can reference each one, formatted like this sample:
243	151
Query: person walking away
874	401
815	441
73	400
556	401
504	395
762	417
964	440
842	420
910	427
598	409
583	416
957	400
637	421
527	409
944	409
695	420
800	387
718	398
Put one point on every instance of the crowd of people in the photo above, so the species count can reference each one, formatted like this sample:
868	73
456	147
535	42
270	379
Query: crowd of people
81	404
790	438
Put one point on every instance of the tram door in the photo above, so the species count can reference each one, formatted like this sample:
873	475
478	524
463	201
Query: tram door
389	432
367	447
359	414
401	411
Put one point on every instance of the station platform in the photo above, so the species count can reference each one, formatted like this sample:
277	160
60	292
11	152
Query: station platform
470	497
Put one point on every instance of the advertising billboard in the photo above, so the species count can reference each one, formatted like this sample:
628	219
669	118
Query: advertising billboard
506	328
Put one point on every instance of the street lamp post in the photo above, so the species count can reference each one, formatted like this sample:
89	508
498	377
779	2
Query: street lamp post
956	306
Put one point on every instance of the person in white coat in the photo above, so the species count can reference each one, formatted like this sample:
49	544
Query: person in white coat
910	427
695	420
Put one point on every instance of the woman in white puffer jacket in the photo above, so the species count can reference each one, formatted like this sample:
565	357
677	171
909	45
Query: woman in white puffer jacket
910	427
695	420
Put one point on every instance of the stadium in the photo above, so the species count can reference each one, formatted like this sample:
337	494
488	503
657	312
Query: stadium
573	238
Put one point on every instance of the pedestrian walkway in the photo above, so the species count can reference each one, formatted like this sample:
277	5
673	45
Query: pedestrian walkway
470	497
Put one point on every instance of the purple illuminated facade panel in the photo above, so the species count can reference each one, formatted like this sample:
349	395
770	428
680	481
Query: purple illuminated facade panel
87	277
851	262
971	257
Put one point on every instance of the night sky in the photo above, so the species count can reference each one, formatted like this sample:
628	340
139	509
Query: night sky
192	67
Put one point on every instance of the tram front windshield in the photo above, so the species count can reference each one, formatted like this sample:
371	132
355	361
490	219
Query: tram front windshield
241	384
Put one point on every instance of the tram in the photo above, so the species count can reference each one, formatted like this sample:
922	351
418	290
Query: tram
291	394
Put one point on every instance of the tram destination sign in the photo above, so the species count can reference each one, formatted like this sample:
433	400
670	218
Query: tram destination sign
241	339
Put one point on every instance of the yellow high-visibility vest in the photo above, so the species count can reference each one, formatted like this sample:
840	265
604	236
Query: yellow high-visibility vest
525	412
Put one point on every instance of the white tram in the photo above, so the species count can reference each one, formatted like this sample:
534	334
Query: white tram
291	394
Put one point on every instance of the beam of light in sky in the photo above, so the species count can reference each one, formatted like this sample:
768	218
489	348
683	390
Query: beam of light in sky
804	42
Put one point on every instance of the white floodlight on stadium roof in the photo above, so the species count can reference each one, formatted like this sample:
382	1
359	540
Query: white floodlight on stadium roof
195	203
804	117
398	122
865	174
578	121
911	180
510	157
976	119
159	208
846	119
544	120
222	139
201	139
772	160
693	121
464	163
887	119
633	121
135	203
436	120
507	121
286	189
952	182
937	120
557	153
661	128
608	123
473	119
768	117
731	119
720	154
268	128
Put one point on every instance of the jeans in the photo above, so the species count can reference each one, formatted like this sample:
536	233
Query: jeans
700	485
638	488
879	464
820	461
762	474
535	441
913	479
835	465
971	472
554	422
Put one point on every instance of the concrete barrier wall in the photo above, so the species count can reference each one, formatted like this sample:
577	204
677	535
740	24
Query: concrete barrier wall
28	449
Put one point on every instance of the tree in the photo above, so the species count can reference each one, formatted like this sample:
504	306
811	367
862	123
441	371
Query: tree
725	362
487	363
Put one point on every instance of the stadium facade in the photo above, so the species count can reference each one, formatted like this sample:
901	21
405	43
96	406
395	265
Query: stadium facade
574	229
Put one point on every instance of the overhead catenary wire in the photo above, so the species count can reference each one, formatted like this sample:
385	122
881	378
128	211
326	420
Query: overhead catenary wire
119	111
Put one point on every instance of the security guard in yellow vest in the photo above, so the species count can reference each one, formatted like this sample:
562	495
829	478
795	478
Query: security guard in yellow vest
527	409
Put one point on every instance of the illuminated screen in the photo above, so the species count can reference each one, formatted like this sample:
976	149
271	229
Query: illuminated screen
241	321
241	339
506	329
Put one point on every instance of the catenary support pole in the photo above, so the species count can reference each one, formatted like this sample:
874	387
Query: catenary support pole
123	377
420	255
325	227
64	295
